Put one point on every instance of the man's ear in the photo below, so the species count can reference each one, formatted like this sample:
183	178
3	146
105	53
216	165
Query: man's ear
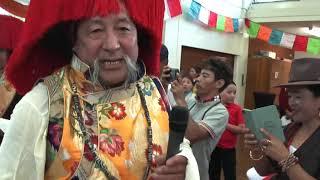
220	83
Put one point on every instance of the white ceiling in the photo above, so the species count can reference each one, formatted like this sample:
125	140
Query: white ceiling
307	28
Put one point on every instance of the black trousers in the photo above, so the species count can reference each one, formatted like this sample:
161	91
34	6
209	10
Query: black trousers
225	159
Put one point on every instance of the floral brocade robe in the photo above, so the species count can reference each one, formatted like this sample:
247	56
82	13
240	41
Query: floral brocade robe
115	121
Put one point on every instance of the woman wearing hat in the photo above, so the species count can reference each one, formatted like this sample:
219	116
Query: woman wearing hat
299	157
92	110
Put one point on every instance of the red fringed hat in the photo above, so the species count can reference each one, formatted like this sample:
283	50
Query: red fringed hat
46	46
9	31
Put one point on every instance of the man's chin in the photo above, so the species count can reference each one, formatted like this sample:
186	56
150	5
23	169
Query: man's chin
114	82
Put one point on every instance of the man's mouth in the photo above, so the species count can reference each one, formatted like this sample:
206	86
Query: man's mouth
112	63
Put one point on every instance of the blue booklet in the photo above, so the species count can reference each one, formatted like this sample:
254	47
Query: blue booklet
265	117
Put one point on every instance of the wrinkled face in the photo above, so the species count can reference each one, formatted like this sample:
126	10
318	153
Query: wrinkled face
304	105
193	73
228	95
108	40
187	84
207	84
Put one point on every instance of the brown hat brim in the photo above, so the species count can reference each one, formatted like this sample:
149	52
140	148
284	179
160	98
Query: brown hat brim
298	83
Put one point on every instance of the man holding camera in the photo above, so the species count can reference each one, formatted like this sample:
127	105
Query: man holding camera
168	74
208	116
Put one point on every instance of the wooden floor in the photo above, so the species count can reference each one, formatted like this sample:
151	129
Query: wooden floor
243	160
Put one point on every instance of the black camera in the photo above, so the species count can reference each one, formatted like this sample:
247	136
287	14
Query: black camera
173	74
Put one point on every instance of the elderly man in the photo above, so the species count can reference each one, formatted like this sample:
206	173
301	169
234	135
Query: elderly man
92	112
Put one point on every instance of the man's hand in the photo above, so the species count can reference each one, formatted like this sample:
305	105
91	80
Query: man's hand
173	168
178	93
165	76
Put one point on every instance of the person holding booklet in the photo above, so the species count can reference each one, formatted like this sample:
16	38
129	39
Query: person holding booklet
299	156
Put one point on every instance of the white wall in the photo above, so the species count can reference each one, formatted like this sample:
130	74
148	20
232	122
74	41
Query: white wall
181	32
300	54
303	10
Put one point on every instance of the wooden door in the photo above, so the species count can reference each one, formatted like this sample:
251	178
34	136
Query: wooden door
191	57
258	79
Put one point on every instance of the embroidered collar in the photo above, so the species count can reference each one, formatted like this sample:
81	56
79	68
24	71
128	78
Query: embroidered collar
79	65
215	98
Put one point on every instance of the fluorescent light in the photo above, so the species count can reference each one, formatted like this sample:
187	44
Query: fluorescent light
268	1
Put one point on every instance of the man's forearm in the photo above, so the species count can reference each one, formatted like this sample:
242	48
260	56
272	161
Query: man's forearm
181	102
235	129
195	132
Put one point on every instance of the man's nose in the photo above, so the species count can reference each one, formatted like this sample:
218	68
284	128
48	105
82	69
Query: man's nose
111	41
197	79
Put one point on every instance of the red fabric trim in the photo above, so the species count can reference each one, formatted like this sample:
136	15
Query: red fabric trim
10	28
32	61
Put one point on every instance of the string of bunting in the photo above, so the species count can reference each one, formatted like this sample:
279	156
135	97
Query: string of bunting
211	19
287	40
275	37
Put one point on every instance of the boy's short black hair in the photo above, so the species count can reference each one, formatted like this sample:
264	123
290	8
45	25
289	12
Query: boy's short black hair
220	69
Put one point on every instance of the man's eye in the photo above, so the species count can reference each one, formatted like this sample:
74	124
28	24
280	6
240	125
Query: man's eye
124	28
96	30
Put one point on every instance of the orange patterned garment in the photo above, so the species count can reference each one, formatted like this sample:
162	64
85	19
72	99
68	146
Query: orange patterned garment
116	123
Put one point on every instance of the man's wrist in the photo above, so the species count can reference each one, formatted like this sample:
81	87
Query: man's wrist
181	102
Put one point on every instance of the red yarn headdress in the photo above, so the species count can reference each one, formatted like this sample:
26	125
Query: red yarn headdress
44	45
10	28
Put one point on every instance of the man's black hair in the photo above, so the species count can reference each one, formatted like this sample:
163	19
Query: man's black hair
164	53
220	69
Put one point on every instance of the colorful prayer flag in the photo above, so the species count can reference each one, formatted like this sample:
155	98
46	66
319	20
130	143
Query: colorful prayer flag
300	43
275	37
264	33
235	24
221	23
204	15
313	46
247	22
213	19
253	28
194	10
229	25
174	7
287	40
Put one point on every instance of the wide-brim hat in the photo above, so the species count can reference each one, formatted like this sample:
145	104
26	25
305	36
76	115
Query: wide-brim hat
10	29
303	72
45	43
